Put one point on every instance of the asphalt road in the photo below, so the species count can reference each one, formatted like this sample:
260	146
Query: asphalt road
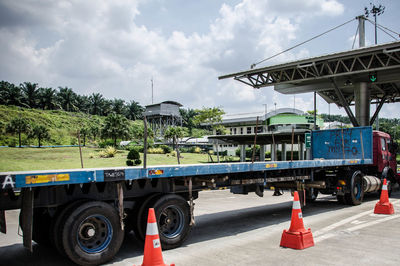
246	230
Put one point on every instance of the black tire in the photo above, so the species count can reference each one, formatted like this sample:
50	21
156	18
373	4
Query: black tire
59	222
173	218
356	194
92	233
311	194
139	227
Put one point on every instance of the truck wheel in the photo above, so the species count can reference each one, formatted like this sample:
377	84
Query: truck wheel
139	227
58	224
173	218
311	194
92	233
356	195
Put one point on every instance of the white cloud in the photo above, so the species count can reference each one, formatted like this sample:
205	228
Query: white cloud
96	46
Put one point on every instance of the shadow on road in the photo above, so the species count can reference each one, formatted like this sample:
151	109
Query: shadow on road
208	226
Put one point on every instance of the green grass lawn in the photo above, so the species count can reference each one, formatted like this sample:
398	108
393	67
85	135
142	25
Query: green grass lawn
26	159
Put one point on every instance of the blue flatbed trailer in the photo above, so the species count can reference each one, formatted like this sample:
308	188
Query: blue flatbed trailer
56	204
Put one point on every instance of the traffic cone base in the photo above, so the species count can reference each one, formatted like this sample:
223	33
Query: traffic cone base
384	208
297	240
297	237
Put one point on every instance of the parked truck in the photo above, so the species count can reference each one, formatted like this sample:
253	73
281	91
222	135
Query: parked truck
85	213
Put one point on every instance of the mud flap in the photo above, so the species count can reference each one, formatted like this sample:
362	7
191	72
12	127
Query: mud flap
3	228
26	217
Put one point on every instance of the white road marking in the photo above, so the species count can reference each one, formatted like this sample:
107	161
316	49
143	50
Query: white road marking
323	234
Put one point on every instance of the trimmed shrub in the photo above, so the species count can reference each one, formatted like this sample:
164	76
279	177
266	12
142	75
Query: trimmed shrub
129	163
138	161
133	155
166	149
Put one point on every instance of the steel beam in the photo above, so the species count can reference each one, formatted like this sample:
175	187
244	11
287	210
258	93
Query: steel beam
344	104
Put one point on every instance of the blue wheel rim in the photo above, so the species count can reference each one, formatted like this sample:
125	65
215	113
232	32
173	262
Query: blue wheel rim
94	234
171	222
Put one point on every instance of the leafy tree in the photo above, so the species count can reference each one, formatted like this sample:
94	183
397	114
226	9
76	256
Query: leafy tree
174	134
30	93
67	99
47	98
116	126
134	111
96	103
212	117
40	132
18	126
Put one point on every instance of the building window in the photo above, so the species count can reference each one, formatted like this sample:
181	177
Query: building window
248	130
231	130
241	131
234	131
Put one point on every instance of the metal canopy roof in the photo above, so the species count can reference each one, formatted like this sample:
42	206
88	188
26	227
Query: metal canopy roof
333	76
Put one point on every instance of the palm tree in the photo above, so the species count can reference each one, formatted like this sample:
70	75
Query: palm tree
116	126
30	91
11	94
67	99
96	103
134	111
18	126
118	106
85	131
107	108
40	132
94	130
83	103
188	118
47	98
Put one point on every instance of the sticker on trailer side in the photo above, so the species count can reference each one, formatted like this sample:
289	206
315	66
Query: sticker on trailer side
114	175
41	179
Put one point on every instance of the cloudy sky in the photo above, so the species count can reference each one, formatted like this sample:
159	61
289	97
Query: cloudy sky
117	47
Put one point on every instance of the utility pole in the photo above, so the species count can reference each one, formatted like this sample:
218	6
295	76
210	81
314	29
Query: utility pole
152	90
375	11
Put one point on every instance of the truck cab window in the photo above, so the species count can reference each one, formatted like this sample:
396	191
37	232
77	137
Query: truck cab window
383	144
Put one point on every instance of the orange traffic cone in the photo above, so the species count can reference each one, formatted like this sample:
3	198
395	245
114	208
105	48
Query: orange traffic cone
384	206
297	237
152	246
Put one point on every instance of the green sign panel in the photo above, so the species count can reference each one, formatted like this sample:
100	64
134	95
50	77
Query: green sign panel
308	140
373	77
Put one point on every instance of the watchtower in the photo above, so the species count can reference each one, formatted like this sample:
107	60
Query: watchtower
162	115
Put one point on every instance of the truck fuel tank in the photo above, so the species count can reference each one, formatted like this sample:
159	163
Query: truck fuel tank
371	183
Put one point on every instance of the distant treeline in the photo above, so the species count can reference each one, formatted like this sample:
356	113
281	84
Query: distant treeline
30	95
